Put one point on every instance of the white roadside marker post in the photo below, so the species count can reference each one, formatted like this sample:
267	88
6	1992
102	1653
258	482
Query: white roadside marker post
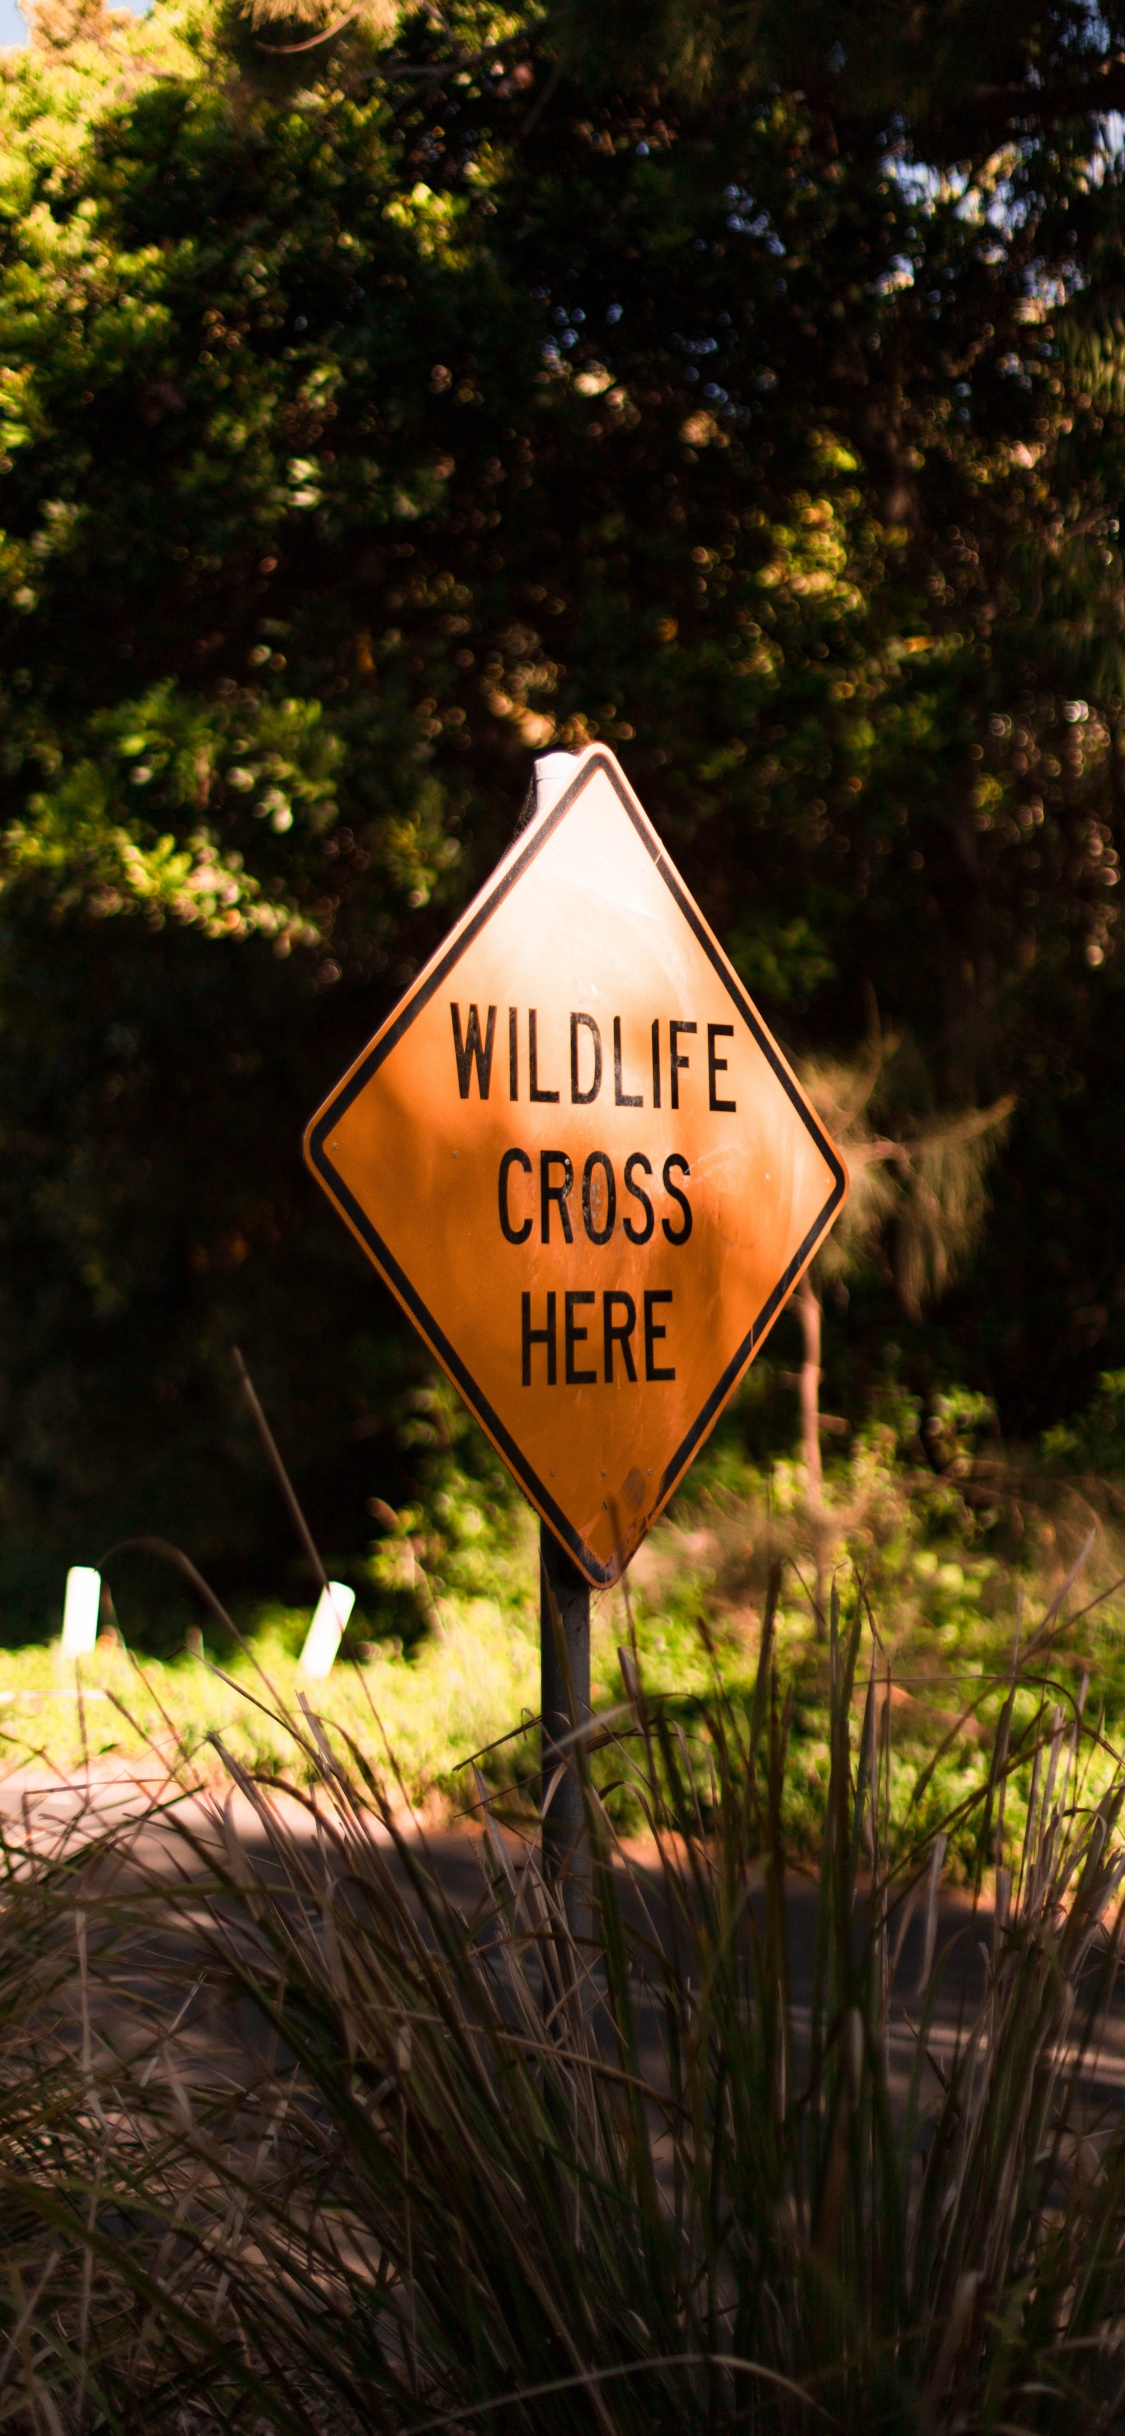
81	1611
325	1633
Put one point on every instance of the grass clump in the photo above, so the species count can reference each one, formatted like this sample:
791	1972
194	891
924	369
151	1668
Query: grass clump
442	1660
692	2143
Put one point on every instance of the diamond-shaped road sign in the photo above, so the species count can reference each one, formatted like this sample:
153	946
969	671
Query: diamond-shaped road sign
584	1167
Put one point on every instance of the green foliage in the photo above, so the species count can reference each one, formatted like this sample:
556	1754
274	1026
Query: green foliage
375	415
1095	1440
83	848
949	1543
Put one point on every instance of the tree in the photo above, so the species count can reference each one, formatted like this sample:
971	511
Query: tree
742	387
920	1193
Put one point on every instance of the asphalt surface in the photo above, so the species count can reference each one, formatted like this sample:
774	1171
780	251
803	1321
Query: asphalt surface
160	1840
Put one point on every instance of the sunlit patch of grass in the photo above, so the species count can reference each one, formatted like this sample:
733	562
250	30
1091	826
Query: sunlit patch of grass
451	1668
466	1683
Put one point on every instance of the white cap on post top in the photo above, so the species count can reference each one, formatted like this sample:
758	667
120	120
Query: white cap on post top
553	772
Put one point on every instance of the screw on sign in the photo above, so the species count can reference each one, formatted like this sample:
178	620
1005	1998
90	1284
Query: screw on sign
582	1164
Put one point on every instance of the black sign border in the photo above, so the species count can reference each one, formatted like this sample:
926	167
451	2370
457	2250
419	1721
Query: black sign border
396	1277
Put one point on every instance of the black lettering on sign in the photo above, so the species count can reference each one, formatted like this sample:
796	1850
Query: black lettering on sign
582	1099
676	1063
656	1062
622	1098
606	1195
512	1158
558	1193
533	1058
513	1056
717	1066
677	1234
619	1332
577	1336
638	1162
654	1295
472	1050
619	1324
540	1336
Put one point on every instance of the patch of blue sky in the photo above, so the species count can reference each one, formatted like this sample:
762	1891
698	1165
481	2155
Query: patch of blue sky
1109	146
997	204
991	200
918	181
13	30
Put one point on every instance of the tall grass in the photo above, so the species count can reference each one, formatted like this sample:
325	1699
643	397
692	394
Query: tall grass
406	2165
68	2355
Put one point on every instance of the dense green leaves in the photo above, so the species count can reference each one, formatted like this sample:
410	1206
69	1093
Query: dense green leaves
743	387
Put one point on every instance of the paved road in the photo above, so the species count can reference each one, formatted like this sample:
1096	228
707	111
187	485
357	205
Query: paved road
154	1829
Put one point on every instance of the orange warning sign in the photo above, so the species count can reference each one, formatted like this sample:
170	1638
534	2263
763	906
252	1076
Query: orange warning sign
582	1164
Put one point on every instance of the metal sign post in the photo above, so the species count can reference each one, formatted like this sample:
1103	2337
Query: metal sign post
579	1159
564	1647
564	1626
